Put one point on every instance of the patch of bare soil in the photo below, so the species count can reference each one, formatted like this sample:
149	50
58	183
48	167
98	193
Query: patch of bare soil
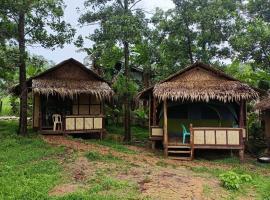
173	181
172	184
63	189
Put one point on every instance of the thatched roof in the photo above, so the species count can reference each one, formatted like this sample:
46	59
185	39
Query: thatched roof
200	82
68	78
71	88
263	104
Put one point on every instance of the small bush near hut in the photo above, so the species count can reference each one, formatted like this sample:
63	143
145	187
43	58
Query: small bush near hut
232	181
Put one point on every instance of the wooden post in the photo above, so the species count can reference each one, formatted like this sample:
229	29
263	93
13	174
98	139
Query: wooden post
154	111
191	141
242	125
149	115
153	144
241	115
165	127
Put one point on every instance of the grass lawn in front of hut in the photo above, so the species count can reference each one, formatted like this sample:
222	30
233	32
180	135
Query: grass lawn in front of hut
63	168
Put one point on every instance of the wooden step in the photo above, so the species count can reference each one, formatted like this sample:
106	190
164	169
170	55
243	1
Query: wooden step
177	151
179	147
180	158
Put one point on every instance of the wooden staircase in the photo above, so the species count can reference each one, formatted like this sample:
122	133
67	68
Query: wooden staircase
180	152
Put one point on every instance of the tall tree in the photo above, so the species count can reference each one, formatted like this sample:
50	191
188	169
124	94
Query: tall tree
120	23
194	30
251	39
35	22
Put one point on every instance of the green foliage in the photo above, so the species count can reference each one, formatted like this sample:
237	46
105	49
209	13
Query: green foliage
43	24
124	87
14	103
252	33
248	74
184	36
233	181
6	108
141	113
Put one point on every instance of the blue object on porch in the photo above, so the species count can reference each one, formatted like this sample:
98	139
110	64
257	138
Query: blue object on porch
185	133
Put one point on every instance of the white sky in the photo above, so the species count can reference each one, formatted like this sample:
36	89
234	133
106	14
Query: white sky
71	16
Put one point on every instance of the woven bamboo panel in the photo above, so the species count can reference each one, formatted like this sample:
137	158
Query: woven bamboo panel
221	136
95	109
89	123
84	99
70	124
94	100
210	137
198	137
75	110
83	109
157	131
97	123
197	75
36	110
233	137
79	123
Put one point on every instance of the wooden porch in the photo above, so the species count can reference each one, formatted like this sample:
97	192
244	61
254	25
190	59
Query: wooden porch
81	115
200	137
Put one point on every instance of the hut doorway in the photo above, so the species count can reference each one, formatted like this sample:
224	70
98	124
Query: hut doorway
53	104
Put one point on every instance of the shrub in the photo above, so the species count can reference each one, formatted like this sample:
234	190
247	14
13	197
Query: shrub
232	181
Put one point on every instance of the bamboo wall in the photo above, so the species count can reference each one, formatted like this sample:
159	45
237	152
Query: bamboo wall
36	110
86	105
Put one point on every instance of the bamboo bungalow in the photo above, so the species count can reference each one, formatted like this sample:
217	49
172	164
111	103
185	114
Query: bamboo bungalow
69	96
211	104
264	107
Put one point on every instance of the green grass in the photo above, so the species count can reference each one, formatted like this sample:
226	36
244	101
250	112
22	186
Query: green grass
104	187
28	168
114	145
6	108
95	156
260	184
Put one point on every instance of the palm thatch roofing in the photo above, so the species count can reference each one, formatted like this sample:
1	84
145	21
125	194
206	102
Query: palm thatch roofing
263	104
68	78
201	82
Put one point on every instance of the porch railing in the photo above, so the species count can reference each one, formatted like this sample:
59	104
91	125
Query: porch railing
217	137
77	123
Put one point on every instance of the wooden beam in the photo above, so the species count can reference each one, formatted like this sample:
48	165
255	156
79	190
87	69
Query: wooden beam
165	127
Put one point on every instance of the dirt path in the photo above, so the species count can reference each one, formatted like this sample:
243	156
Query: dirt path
157	178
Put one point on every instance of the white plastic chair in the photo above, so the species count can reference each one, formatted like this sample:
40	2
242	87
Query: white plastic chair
57	119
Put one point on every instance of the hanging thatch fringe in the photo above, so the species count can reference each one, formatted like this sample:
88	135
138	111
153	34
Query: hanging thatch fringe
222	90
71	88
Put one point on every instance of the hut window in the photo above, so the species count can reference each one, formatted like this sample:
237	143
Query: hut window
86	105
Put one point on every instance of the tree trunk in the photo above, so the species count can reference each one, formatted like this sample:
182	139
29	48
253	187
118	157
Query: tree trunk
127	137
127	100
22	69
189	44
146	82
